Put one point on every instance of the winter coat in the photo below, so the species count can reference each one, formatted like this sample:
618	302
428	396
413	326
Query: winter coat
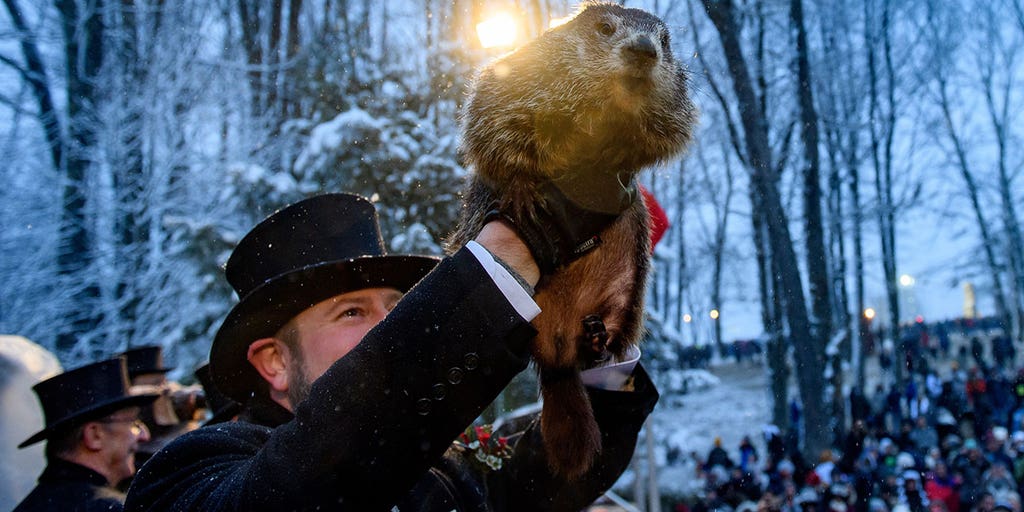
377	428
71	487
748	456
717	456
945	490
971	471
860	408
924	438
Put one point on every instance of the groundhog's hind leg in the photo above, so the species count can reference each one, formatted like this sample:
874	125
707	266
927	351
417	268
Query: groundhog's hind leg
571	435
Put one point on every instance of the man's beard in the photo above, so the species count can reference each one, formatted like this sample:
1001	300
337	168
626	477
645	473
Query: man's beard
298	384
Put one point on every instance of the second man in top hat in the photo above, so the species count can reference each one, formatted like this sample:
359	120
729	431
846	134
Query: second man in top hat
92	432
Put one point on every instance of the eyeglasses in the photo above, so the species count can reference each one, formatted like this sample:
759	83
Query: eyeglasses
137	425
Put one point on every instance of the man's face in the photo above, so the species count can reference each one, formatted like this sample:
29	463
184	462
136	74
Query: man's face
149	379
331	329
125	431
988	502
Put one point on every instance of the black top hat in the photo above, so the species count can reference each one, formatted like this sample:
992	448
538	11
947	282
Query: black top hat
84	394
304	254
143	360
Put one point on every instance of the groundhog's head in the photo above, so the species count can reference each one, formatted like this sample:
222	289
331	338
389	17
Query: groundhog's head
602	92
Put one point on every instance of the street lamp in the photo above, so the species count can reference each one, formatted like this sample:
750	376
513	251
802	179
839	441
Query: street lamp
907	298
713	314
869	314
500	30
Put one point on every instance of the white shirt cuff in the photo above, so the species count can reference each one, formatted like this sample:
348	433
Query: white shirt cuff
611	375
510	288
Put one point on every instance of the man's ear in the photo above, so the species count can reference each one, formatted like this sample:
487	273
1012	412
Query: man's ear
93	436
270	358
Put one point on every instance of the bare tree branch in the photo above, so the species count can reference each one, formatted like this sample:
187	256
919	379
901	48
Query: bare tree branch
15	65
35	74
730	124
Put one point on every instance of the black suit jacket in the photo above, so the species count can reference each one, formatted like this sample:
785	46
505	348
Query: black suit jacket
70	487
376	429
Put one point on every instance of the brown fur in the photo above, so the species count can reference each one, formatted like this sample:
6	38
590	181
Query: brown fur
576	100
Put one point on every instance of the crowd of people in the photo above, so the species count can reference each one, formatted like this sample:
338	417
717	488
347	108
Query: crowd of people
949	443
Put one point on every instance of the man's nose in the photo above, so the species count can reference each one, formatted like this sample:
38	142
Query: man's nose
142	432
378	314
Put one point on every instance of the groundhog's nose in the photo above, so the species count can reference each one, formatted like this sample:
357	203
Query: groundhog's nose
641	51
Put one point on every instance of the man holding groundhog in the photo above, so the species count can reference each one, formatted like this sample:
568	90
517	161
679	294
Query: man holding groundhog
359	368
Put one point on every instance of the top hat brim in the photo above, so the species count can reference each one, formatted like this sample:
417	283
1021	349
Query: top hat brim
266	309
225	413
93	413
146	371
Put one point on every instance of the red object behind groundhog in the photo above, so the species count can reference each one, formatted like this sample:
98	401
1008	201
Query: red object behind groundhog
659	221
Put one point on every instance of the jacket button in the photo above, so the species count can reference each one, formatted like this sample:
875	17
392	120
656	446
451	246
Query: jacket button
455	375
439	391
471	361
423	406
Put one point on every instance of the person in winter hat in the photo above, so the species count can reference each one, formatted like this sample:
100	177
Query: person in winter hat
358	368
942	486
717	456
807	500
911	492
748	454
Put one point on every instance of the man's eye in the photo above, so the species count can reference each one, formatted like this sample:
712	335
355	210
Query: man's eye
351	312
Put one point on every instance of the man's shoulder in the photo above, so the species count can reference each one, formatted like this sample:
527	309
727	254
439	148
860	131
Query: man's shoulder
105	500
224	442
236	436
191	467
72	496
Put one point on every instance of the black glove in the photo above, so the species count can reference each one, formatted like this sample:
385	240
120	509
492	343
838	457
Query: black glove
568	219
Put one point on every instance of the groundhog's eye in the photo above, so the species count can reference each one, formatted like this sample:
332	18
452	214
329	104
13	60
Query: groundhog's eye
605	29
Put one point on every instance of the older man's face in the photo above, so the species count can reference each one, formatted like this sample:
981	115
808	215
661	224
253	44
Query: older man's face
124	432
329	330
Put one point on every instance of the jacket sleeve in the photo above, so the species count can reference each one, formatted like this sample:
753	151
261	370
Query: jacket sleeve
526	483
373	423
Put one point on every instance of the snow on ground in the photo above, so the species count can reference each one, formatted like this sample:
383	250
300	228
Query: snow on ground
728	401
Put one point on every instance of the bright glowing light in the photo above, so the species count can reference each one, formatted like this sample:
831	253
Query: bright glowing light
687	318
919	319
714	314
498	30
906	280
869	313
555	22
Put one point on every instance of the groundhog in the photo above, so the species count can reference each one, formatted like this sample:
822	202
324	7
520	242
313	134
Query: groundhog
601	93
